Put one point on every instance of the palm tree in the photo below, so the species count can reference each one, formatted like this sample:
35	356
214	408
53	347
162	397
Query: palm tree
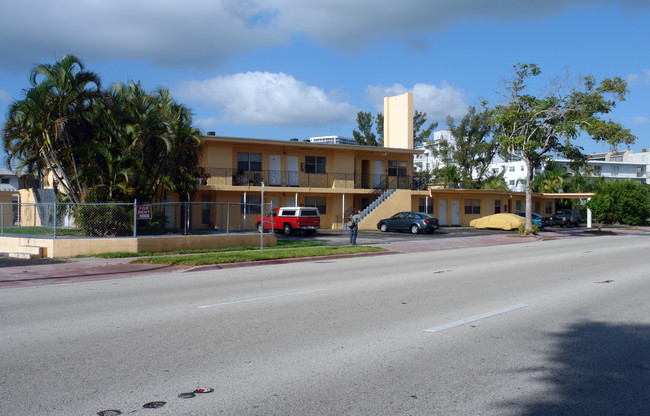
552	179
50	123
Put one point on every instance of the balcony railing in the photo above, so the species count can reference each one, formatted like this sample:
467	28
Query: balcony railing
284	178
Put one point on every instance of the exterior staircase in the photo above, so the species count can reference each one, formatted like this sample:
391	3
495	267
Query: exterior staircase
377	202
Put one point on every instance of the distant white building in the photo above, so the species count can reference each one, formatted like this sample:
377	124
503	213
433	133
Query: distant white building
425	162
514	172
333	140
611	166
8	180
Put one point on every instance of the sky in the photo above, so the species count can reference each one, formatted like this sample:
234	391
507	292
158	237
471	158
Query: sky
281	69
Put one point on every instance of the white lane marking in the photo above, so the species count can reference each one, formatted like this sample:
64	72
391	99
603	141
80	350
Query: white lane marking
261	298
474	318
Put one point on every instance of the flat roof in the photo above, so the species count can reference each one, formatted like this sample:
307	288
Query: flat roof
310	145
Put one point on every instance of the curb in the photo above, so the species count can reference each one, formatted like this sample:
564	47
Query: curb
283	261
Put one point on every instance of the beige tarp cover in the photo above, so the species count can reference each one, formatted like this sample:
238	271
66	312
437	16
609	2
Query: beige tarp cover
499	221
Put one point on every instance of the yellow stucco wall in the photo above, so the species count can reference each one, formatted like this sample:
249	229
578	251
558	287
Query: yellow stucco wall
70	247
398	121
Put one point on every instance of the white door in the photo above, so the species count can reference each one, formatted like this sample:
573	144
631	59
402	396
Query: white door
292	171
442	212
275	170
377	173
455	212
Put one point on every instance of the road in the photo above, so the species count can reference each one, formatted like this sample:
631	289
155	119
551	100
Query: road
539	328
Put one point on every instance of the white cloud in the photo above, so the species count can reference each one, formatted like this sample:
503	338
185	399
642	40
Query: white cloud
641	120
200	33
639	77
5	97
437	101
344	23
263	98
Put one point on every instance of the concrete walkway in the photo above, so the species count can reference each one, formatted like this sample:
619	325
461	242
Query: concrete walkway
38	272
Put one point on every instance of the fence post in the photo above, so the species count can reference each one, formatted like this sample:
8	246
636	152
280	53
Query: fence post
186	218
228	220
56	205
2	208
135	218
262	211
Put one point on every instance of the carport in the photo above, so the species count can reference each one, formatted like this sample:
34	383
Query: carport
583	197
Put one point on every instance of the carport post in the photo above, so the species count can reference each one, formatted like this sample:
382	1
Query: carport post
343	213
262	211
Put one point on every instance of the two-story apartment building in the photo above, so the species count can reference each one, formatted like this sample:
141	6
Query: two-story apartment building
336	178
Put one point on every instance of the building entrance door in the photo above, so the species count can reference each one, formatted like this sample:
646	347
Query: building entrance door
292	170
275	170
455	212
442	212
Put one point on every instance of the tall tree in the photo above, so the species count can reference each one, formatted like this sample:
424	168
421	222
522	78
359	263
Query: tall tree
529	127
365	136
473	148
100	146
50	125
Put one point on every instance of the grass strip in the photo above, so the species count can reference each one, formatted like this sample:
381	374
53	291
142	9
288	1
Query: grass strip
282	244
244	256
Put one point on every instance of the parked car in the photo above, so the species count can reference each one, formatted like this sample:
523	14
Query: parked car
411	221
503	221
290	219
566	217
537	219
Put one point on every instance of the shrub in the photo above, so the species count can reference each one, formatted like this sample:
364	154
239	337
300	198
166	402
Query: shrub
106	220
625	202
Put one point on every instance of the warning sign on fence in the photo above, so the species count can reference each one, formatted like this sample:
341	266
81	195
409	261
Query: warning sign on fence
144	212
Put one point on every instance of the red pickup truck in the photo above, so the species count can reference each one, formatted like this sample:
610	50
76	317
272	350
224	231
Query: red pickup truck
290	219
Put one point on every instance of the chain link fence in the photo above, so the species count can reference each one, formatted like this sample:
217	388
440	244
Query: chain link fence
64	220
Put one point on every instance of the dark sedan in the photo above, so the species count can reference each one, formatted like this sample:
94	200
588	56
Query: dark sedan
411	221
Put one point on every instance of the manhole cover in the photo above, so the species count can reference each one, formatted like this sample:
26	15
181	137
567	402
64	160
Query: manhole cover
199	391
154	405
109	413
186	395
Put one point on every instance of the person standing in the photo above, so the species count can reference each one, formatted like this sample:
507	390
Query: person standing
353	225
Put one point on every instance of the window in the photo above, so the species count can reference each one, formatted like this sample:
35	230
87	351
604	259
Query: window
425	206
315	164
511	169
518	206
252	205
205	210
548	207
511	182
497	206
4	180
537	206
614	170
397	168
472	206
598	170
639	172
319	202
522	168
249	161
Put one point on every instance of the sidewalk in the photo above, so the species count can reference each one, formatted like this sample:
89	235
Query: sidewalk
37	272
